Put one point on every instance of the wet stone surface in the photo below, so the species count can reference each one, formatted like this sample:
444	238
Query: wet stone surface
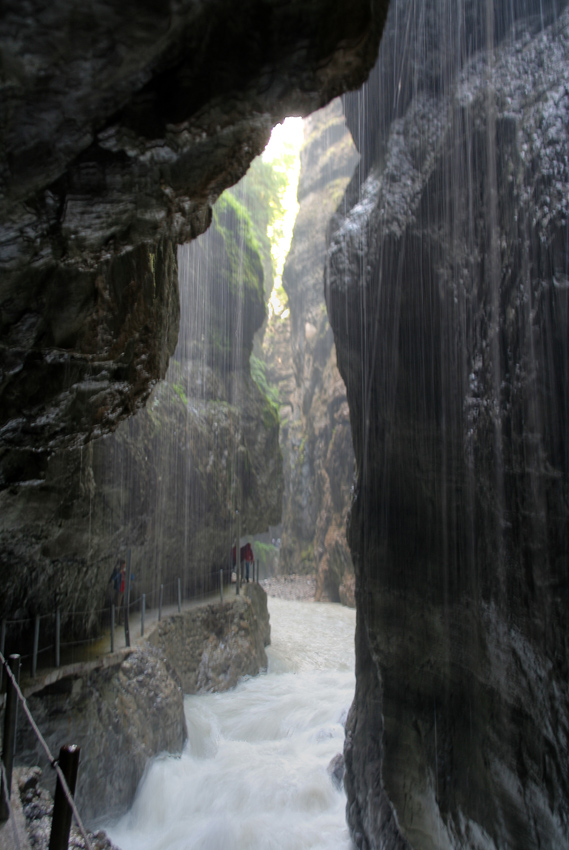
37	804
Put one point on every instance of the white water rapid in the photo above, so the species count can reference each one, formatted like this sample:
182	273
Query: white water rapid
253	774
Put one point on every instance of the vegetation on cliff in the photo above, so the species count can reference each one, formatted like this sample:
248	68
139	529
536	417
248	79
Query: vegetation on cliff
167	484
300	360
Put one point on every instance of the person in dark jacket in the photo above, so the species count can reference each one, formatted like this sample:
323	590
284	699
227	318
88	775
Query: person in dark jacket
118	579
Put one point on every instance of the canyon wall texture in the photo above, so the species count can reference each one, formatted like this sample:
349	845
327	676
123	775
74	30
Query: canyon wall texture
167	483
119	127
213	646
448	287
315	428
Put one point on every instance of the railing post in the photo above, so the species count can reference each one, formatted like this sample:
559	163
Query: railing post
160	602
179	595
61	822
9	738
221	586
58	638
238	555
126	603
112	626
2	648
142	613
36	647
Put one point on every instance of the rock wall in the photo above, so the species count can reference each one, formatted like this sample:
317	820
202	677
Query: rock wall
448	292
167	483
117	132
129	707
315	428
213	646
121	716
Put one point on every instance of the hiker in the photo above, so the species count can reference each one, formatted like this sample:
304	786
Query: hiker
248	557
115	579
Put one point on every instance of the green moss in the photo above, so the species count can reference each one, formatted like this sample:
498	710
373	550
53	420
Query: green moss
266	554
270	415
259	375
179	390
245	269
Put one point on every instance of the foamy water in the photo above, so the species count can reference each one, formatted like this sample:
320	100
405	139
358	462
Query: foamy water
253	773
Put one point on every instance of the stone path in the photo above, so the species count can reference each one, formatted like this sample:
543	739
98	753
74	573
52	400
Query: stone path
95	654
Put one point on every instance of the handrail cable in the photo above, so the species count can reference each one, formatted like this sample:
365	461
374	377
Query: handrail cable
53	762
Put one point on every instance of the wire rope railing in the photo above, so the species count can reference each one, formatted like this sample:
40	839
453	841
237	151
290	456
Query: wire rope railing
65	767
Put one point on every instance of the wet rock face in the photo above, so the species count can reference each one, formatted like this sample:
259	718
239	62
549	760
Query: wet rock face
127	708
212	647
117	132
78	355
167	483
120	716
316	440
448	294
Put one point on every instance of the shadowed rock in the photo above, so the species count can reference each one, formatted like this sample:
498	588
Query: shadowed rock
448	298
118	128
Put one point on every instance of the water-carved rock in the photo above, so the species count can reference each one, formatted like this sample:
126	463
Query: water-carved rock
448	298
315	427
117	133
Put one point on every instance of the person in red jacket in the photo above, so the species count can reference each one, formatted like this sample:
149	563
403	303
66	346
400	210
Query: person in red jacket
248	557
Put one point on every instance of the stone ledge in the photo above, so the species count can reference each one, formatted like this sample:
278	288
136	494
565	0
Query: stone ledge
123	709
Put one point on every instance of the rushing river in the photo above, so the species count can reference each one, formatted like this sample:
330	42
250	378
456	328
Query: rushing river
253	774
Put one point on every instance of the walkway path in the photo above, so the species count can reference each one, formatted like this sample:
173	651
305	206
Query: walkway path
83	658
89	656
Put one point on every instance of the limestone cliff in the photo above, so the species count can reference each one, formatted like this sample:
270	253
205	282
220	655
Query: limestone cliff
118	130
121	715
168	482
448	293
315	428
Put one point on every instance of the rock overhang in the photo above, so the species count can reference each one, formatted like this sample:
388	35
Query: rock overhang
118	133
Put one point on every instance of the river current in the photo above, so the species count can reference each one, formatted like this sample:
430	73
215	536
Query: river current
253	774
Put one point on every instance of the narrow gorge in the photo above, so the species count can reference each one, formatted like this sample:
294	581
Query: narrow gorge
402	419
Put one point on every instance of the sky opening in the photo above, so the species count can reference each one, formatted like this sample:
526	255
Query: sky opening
283	152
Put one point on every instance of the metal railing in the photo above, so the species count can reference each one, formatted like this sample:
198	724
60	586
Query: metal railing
66	767
51	624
